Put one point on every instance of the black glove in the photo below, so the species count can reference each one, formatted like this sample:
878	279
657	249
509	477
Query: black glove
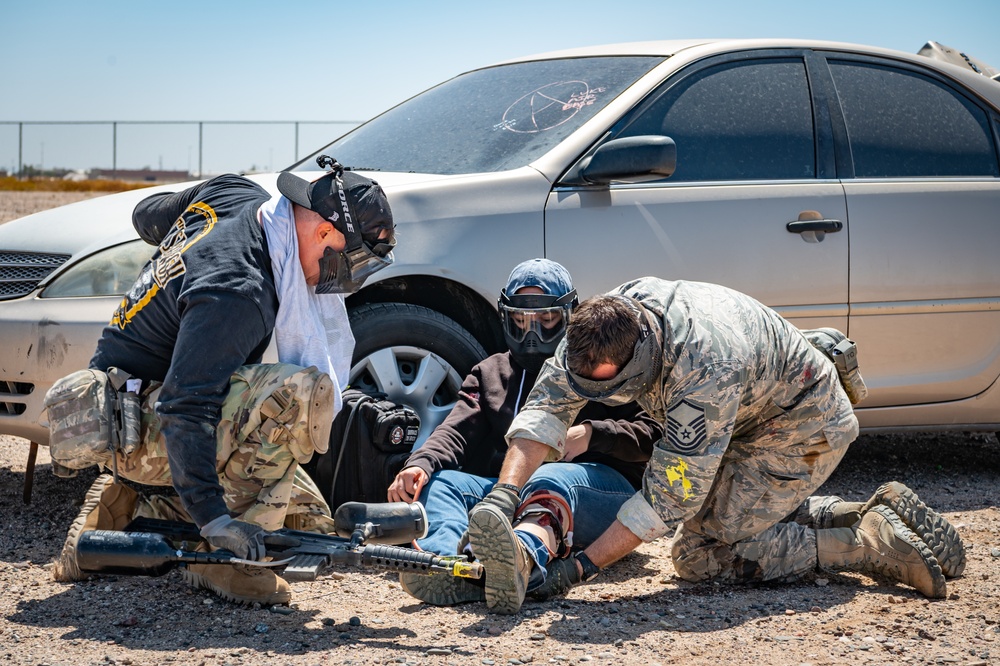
504	499
245	540
560	576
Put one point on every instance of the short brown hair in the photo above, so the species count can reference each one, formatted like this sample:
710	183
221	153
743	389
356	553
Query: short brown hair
603	329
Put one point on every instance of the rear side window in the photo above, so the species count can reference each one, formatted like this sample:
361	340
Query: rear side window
902	124
738	121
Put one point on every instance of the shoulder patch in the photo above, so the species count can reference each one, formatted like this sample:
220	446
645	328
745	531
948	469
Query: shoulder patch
686	428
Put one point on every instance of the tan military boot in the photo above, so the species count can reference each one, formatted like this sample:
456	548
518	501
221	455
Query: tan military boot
442	589
503	556
106	506
933	528
240	583
881	544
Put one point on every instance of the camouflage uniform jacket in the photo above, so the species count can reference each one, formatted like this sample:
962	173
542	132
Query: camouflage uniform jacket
733	370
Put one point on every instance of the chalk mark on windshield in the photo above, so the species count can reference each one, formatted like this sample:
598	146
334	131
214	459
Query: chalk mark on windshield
548	106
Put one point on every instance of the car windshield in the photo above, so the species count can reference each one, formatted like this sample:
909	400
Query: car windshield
487	120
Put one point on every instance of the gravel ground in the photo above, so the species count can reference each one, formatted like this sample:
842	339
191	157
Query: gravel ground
637	612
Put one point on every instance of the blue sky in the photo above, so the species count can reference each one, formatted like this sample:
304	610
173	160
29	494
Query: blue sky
314	60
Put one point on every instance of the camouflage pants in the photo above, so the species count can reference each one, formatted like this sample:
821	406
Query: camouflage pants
262	438
737	535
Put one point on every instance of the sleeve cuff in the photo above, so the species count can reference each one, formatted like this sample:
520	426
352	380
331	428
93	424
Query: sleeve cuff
540	427
639	517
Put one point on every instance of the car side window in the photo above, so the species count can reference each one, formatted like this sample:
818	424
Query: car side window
903	124
749	120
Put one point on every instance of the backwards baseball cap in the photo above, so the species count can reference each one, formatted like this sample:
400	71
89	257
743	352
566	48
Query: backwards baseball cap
547	275
358	208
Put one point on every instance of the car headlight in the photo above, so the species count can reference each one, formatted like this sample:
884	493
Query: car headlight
110	272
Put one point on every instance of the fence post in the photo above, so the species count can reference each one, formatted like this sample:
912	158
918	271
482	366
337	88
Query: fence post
199	149
20	151
114	150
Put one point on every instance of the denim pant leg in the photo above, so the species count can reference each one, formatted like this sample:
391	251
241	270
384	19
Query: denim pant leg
594	492
448	497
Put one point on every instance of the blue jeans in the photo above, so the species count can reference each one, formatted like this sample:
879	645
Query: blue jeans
594	492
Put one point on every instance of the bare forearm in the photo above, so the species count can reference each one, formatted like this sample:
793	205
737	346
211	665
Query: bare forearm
616	542
524	456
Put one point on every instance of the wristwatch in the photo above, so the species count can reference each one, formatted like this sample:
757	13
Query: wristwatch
590	570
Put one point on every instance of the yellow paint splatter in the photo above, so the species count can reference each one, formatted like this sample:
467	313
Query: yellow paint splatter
679	473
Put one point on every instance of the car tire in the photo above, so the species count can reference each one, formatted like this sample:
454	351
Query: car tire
415	355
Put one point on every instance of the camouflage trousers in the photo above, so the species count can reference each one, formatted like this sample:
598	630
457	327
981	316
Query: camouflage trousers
262	438
739	535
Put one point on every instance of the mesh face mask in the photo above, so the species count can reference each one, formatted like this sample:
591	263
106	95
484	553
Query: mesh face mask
344	272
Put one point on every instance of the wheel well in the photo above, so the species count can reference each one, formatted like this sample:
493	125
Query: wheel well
448	297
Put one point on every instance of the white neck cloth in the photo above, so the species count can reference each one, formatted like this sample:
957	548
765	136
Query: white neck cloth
310	329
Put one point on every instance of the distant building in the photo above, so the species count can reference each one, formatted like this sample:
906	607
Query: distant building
141	175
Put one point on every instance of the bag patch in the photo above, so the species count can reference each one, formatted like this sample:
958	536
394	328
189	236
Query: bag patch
370	440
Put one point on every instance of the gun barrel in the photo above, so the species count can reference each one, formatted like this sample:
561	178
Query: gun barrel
136	554
417	561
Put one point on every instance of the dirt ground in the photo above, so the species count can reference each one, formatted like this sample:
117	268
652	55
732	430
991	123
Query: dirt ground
637	612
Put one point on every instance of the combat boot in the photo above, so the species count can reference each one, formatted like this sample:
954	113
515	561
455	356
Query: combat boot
503	556
881	544
933	528
442	589
106	506
240	583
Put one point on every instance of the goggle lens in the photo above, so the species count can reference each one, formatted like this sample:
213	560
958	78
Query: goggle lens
547	323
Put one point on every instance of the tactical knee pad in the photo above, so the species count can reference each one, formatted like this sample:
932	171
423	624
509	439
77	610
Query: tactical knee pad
549	510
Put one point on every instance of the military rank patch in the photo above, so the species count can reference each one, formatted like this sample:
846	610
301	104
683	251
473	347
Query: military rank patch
686	428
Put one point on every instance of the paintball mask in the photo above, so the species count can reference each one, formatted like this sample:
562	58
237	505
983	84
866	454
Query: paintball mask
358	208
533	324
635	378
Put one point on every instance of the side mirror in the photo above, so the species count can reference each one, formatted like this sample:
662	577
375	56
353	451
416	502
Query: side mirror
633	159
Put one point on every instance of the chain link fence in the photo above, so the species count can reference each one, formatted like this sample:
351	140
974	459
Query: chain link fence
198	148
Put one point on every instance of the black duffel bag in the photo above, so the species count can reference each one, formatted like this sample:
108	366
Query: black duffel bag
370	440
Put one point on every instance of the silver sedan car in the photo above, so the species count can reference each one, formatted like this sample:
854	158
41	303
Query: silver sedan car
842	185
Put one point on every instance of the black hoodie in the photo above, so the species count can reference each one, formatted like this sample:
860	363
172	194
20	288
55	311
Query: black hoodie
471	438
203	306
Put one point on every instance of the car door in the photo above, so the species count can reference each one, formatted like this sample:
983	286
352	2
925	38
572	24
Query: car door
753	159
923	190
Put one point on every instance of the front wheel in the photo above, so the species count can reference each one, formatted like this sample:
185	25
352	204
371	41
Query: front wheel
415	355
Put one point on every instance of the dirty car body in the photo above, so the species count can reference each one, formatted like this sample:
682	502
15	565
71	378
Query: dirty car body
842	185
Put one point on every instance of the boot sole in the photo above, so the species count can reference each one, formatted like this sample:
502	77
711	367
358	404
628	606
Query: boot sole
939	588
441	589
494	543
932	528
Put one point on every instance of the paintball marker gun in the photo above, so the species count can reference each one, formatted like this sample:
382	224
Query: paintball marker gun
365	532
